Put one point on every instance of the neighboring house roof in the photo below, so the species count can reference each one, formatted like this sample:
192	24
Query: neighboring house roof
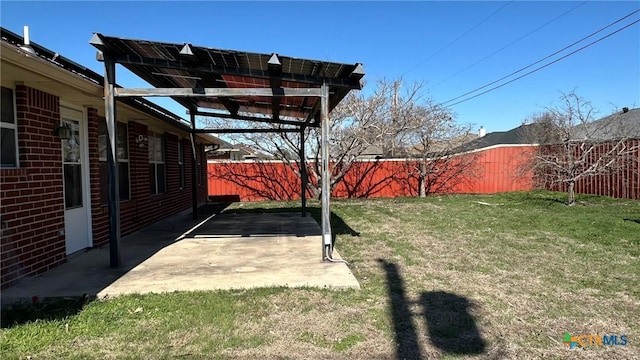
520	135
140	104
625	123
443	146
244	150
621	124
372	151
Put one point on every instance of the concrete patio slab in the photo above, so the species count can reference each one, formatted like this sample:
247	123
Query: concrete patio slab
226	251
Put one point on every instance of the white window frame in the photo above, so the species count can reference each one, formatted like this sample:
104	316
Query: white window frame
13	127
152	136
120	159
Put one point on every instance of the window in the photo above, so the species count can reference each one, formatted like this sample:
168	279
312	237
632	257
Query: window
8	131
181	162
156	164
122	144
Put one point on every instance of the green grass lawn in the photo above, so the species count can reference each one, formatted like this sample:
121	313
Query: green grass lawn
486	276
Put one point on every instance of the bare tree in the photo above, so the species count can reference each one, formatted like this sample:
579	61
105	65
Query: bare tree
432	139
358	123
574	146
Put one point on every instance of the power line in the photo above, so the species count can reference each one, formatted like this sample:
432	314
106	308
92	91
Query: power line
513	42
545	65
459	37
541	60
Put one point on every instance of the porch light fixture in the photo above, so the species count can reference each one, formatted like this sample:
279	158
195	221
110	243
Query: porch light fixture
63	131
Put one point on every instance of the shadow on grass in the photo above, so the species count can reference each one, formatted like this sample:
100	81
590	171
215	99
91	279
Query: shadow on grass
44	310
451	327
407	346
637	221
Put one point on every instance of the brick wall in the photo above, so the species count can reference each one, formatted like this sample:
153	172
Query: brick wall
32	195
142	208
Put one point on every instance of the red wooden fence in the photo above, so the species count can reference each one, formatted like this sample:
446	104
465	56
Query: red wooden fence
623	182
497	169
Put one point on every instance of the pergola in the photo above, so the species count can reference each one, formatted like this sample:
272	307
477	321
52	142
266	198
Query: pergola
293	93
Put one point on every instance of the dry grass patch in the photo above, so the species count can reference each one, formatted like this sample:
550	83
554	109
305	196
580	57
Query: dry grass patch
441	277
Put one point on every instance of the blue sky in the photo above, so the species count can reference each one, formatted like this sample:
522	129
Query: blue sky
453	46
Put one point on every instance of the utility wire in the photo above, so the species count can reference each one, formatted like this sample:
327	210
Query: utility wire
541	60
511	43
543	66
459	37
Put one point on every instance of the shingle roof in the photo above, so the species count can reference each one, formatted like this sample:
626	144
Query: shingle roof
520	135
56	59
621	124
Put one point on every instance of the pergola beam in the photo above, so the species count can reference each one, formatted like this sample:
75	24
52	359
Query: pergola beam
275	70
129	59
245	131
217	92
250	118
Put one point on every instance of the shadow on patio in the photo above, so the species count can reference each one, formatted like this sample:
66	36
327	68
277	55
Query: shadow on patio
230	250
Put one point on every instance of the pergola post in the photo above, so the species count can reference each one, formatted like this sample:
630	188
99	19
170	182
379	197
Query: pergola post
194	174
112	162
303	174
327	242
237	89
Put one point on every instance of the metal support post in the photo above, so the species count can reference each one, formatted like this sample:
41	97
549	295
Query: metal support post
303	174
327	241
194	173
112	162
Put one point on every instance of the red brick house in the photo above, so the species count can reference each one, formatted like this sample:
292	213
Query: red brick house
53	174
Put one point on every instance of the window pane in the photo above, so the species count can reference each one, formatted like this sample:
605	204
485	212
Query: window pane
159	149
72	185
71	147
152	179
8	150
104	183
7	106
162	184
151	143
123	141
123	175
102	138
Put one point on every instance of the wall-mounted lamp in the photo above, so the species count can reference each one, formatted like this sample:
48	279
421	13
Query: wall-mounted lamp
63	131
142	141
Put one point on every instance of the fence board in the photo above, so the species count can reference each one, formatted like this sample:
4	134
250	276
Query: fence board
498	169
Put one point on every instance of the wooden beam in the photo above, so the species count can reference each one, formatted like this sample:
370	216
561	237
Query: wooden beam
232	106
129	59
245	131
275	70
250	118
218	92
358	72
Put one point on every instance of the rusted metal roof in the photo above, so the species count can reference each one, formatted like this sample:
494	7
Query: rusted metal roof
167	65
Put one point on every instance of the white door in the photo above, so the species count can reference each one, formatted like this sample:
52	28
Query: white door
75	175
